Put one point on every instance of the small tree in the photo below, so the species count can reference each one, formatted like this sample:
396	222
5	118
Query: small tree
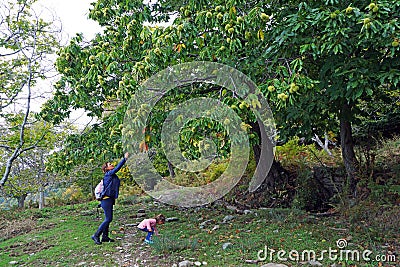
29	174
26	43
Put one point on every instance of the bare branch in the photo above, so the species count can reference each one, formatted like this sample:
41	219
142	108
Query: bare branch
324	146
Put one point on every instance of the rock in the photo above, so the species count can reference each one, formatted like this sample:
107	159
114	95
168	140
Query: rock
216	227
274	265
13	262
314	263
228	218
185	263
131	225
204	263
203	224
82	263
233	208
172	219
251	261
227	245
197	263
248	212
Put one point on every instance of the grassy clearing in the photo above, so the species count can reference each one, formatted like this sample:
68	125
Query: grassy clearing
61	237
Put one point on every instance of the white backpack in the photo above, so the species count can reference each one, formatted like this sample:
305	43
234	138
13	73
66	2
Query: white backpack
99	190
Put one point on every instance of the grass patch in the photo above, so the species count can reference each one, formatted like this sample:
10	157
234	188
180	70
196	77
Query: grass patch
167	244
61	238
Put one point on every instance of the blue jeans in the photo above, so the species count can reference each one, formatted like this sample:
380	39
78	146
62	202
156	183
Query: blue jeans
149	233
107	205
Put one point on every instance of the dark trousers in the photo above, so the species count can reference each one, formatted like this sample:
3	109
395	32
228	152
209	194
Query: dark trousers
107	205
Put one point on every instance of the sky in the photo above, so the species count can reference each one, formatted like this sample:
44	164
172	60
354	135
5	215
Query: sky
73	16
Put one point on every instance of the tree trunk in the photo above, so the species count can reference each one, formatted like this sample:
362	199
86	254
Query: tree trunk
263	155
257	153
171	170
347	147
21	201
41	198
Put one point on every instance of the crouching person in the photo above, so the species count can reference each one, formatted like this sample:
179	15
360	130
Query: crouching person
150	227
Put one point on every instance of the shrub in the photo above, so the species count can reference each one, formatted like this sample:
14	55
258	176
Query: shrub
128	194
380	169
307	194
64	196
206	176
293	155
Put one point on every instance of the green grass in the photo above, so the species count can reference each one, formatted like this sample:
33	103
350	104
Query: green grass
277	229
61	236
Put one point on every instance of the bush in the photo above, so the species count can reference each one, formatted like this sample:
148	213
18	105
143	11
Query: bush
73	194
66	196
293	155
380	171
308	195
129	194
206	176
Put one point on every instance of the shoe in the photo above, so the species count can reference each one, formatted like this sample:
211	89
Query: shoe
96	240
107	239
148	241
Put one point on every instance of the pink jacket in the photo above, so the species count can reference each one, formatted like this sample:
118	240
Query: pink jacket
150	224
